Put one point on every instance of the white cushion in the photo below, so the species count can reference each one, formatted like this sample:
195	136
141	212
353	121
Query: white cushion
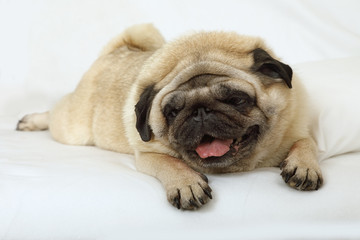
333	87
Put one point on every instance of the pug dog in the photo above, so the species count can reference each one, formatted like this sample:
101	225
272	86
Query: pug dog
208	102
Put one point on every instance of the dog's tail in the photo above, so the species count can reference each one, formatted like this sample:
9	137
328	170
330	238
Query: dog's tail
144	37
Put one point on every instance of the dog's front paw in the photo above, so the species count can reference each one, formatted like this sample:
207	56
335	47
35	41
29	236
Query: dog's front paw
301	176
189	193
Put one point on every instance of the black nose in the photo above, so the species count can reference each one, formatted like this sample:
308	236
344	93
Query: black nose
201	114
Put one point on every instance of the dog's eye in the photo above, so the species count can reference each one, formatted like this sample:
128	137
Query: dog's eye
170	112
173	113
235	100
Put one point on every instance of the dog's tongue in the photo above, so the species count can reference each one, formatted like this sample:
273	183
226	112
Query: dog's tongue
216	148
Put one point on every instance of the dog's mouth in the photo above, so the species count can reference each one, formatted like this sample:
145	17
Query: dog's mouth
212	148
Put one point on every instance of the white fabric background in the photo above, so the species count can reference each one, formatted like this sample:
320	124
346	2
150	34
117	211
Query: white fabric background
53	191
47	45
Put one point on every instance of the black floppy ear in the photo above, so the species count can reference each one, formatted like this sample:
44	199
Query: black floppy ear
142	111
271	67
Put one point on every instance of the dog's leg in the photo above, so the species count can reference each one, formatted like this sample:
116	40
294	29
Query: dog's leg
34	122
301	169
185	188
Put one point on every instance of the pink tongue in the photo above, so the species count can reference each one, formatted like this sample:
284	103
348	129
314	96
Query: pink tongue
216	148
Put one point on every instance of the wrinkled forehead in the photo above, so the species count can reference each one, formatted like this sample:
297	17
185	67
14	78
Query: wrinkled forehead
209	86
210	76
216	83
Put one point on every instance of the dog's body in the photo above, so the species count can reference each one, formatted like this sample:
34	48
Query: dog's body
207	103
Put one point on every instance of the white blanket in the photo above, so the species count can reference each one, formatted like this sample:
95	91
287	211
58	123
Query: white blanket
53	191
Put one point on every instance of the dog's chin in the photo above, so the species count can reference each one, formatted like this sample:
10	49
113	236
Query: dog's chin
239	148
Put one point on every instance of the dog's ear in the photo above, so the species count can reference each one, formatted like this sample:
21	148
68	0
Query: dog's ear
271	67
142	111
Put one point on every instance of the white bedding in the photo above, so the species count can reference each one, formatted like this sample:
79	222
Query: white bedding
53	191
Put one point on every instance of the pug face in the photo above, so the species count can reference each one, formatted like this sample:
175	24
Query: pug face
214	120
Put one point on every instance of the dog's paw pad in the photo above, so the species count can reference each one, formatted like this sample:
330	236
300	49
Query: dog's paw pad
301	177
25	124
190	197
33	122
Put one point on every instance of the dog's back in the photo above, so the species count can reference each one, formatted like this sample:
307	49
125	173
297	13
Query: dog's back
82	117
